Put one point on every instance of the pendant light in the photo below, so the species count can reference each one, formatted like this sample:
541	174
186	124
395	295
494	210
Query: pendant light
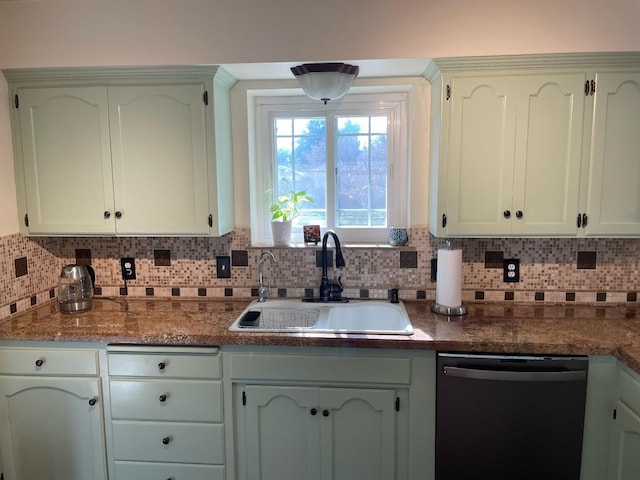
325	81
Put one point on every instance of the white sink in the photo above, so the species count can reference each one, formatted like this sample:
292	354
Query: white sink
369	317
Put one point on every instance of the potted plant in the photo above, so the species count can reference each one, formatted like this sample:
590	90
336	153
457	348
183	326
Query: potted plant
283	211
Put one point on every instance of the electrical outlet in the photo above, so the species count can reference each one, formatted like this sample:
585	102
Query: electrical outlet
128	266
511	270
223	267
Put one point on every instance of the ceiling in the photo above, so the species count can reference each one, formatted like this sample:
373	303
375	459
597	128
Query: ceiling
408	67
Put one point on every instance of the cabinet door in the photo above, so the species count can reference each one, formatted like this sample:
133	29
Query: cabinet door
66	159
548	154
358	434
624	460
49	429
613	206
159	159
283	437
481	148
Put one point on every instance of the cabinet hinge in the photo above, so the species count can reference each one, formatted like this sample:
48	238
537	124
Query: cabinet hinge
210	221
16	101
615	413
397	404
205	97
244	398
26	219
448	92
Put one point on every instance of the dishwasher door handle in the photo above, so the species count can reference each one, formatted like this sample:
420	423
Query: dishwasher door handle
514	376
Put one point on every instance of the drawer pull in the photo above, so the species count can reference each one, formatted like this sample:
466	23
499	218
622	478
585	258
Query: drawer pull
39	362
313	411
166	440
162	366
93	401
325	413
163	397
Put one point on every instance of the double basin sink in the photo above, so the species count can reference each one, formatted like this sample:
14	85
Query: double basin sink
368	317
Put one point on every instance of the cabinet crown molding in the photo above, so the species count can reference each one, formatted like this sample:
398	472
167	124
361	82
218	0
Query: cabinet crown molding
533	62
104	75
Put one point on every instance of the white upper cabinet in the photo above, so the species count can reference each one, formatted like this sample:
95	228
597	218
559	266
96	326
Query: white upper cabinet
123	151
613	198
159	156
66	160
535	146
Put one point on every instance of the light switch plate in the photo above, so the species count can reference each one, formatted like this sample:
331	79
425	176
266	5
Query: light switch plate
223	267
511	270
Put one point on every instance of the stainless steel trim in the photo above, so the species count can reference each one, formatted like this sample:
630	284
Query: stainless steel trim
514	376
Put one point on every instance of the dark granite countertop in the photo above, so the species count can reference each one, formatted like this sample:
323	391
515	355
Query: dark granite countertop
498	328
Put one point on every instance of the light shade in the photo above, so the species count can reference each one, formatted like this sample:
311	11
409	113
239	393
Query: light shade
325	81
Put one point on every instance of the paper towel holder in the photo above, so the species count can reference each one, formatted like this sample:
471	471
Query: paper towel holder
449	311
445	310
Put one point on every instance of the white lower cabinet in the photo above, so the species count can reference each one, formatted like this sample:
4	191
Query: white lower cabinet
314	433
166	413
332	417
624	458
51	422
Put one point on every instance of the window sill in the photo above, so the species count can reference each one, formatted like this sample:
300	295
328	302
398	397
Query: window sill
372	246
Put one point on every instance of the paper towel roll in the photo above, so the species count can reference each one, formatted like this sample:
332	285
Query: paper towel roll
449	278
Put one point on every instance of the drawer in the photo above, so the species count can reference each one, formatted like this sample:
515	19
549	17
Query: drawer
43	361
174	471
164	365
629	390
168	442
177	400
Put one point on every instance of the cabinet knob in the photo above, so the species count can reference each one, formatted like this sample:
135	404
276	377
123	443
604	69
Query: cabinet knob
39	362
93	401
313	411
107	214
166	440
163	397
506	214
519	214
161	366
118	214
325	413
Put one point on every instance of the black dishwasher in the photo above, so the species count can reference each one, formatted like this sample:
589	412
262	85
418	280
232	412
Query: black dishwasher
508	417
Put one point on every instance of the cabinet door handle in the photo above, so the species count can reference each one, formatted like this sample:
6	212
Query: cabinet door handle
584	220
506	214
107	214
161	366
444	220
163	397
579	221
519	214
166	440
313	411
93	401
325	413
118	214
39	362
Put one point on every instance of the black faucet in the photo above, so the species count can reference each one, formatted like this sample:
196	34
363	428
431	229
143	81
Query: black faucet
331	290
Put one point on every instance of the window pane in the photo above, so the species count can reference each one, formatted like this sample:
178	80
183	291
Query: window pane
301	164
361	164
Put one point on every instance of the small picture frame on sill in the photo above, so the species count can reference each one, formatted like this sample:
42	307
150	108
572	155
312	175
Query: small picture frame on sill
311	234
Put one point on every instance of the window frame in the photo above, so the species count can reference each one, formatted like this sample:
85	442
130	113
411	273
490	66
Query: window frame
263	164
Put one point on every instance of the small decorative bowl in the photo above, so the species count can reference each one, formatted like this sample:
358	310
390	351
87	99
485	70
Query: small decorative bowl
398	236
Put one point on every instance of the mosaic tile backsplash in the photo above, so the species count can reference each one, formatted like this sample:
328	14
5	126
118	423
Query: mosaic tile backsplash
551	270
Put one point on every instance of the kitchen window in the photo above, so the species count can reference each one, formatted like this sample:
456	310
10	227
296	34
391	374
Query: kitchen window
351	156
